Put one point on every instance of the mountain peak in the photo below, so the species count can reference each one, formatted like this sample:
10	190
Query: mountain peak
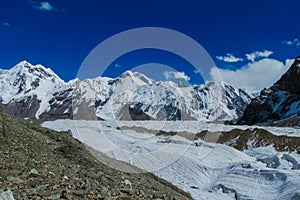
291	79
127	73
137	77
24	62
25	80
26	68
277	103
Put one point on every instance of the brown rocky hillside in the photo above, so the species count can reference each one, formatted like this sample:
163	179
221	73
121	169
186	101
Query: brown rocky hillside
38	163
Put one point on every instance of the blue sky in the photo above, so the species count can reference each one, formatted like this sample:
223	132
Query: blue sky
237	34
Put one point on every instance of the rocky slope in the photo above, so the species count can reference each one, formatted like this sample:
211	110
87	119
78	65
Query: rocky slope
37	92
38	163
279	104
237	138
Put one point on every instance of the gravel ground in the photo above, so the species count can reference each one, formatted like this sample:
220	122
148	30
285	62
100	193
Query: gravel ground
38	163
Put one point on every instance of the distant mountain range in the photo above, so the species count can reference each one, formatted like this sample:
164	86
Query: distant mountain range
37	92
278	105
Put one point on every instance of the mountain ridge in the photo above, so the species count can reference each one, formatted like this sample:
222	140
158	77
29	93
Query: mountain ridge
37	92
279	104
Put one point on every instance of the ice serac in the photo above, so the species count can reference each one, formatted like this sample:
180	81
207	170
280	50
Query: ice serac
37	92
279	104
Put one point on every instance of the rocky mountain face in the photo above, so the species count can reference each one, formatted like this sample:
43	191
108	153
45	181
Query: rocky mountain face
279	104
37	92
38	163
25	90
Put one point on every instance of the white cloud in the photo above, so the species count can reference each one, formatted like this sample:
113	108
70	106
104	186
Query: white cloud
170	75
43	6
258	54
288	43
229	58
253	76
5	24
291	43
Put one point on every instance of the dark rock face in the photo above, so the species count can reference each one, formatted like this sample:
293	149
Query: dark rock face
240	103
134	113
290	81
279	102
60	106
26	107
173	113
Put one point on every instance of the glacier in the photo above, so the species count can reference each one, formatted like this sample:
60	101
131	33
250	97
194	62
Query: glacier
205	170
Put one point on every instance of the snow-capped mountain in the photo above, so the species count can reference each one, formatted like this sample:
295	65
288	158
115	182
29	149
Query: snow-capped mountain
279	104
135	96
27	89
35	91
